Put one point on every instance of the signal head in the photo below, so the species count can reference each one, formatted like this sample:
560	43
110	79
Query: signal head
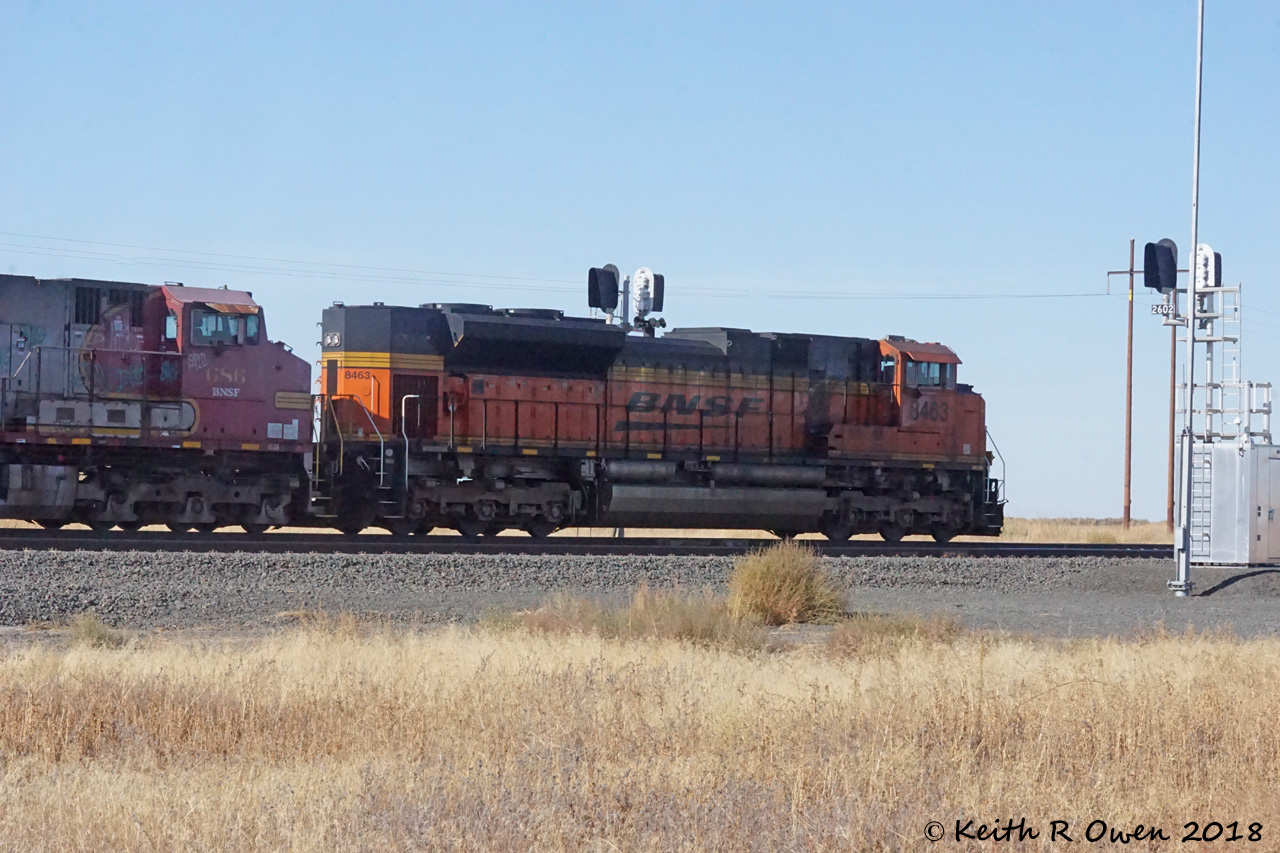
602	288
1160	266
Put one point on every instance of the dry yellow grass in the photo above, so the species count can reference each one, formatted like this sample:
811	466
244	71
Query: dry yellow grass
699	617
1091	530
1088	530
334	737
784	583
87	629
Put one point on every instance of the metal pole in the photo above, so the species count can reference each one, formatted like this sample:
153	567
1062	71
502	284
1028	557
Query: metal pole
1173	407
1182	585
1128	404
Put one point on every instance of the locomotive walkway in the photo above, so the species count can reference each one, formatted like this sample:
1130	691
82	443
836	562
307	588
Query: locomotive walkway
285	543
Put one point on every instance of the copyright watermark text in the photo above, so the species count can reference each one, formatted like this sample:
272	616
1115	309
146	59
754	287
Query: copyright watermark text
1094	832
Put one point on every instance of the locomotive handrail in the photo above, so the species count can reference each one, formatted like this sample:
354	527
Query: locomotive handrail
404	417
4	392
662	440
382	450
1003	493
23	363
658	435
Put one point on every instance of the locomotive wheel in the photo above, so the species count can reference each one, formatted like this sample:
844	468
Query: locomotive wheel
892	532
402	527
254	529
943	535
837	530
52	525
206	527
100	526
470	528
784	535
539	528
178	527
130	526
486	511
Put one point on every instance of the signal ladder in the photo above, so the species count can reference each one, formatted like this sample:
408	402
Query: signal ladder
1201	498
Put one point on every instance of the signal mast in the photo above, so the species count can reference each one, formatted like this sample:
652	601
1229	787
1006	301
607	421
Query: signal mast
649	289
1227	461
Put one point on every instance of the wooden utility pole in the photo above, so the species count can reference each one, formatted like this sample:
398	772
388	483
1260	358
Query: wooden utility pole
1128	393
1128	404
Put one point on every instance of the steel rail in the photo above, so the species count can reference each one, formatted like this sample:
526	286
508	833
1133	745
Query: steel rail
285	543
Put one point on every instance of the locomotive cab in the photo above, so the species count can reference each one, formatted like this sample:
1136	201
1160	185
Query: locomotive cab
934	413
125	404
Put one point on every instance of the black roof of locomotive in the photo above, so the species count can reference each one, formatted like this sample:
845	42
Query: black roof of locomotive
479	337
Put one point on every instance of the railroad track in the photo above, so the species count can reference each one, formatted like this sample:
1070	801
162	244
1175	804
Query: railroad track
87	540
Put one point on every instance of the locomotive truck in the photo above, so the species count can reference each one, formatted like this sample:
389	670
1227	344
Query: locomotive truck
125	404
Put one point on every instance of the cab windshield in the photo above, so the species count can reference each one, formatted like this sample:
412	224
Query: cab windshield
209	328
925	374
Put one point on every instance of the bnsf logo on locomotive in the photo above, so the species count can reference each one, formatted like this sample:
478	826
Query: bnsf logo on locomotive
716	407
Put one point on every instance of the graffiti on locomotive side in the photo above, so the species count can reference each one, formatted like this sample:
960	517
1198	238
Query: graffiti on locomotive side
198	360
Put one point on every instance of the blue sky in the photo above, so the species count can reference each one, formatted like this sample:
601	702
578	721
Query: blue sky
811	168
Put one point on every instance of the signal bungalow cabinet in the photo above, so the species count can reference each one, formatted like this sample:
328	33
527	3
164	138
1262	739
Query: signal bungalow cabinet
1245	489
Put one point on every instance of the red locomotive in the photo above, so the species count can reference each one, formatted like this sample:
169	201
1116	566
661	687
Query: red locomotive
126	404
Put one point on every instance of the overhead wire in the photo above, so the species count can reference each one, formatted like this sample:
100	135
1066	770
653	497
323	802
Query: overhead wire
931	296
341	272
329	271
278	260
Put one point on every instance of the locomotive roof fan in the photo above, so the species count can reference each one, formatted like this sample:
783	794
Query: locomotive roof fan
646	289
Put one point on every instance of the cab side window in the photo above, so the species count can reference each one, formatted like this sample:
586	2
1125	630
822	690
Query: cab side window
209	328
887	364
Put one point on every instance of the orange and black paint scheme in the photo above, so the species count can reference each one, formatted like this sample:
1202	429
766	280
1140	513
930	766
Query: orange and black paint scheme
463	416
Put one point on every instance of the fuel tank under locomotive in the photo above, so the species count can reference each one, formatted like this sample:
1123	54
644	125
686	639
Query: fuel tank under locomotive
790	498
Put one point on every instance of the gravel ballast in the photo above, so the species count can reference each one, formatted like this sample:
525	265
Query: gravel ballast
1079	596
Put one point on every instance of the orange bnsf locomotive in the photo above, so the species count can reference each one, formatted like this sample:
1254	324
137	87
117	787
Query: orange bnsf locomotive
127	404
463	416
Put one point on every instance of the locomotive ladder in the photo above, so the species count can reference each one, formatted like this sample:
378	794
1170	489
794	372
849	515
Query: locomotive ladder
322	468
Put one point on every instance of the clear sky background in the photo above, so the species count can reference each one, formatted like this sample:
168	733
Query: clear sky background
843	169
